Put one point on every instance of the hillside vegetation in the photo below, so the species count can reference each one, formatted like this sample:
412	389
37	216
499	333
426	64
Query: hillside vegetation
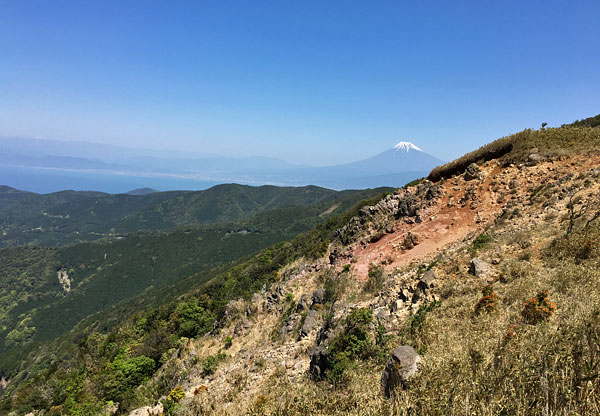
488	278
47	291
69	216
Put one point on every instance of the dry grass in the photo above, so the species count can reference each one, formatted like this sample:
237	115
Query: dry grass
559	141
475	363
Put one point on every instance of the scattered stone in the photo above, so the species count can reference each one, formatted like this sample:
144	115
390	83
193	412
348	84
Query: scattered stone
401	367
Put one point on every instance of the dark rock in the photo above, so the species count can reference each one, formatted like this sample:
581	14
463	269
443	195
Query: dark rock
472	172
274	298
407	206
401	367
396	305
318	297
410	241
334	256
404	295
417	296
318	362
432	193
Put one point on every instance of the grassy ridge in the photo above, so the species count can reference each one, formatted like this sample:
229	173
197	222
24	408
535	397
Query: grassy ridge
558	141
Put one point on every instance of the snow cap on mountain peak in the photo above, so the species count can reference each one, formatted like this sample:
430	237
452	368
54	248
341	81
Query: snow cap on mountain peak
406	146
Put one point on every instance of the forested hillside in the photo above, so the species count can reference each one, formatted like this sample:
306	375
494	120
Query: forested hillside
69	216
47	291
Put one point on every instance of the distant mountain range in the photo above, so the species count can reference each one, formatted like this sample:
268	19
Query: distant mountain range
74	216
47	166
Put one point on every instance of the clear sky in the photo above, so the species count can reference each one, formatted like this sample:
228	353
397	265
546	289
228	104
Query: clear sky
312	82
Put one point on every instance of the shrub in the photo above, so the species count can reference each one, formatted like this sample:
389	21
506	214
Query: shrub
376	278
210	363
176	394
228	342
538	309
481	240
124	374
334	288
352	343
192	319
170	403
489	302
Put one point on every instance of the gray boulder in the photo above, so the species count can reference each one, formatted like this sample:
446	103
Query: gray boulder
303	303
535	157
310	323
318	297
480	268
427	281
318	362
401	367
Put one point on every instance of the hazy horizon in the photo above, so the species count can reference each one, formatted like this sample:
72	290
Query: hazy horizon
312	83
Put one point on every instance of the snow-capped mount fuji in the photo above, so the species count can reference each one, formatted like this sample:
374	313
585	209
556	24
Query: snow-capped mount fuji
394	167
403	157
406	147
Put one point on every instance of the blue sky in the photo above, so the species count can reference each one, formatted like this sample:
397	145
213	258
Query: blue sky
309	82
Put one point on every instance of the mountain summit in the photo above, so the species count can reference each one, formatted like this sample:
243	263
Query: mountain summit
406	147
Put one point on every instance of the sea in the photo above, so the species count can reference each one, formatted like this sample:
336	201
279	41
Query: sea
44	180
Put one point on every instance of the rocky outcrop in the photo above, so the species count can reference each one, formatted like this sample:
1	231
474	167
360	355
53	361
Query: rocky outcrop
472	172
427	281
374	221
402	366
318	297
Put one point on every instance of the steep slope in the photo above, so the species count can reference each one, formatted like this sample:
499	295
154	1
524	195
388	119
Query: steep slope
45	292
490	274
